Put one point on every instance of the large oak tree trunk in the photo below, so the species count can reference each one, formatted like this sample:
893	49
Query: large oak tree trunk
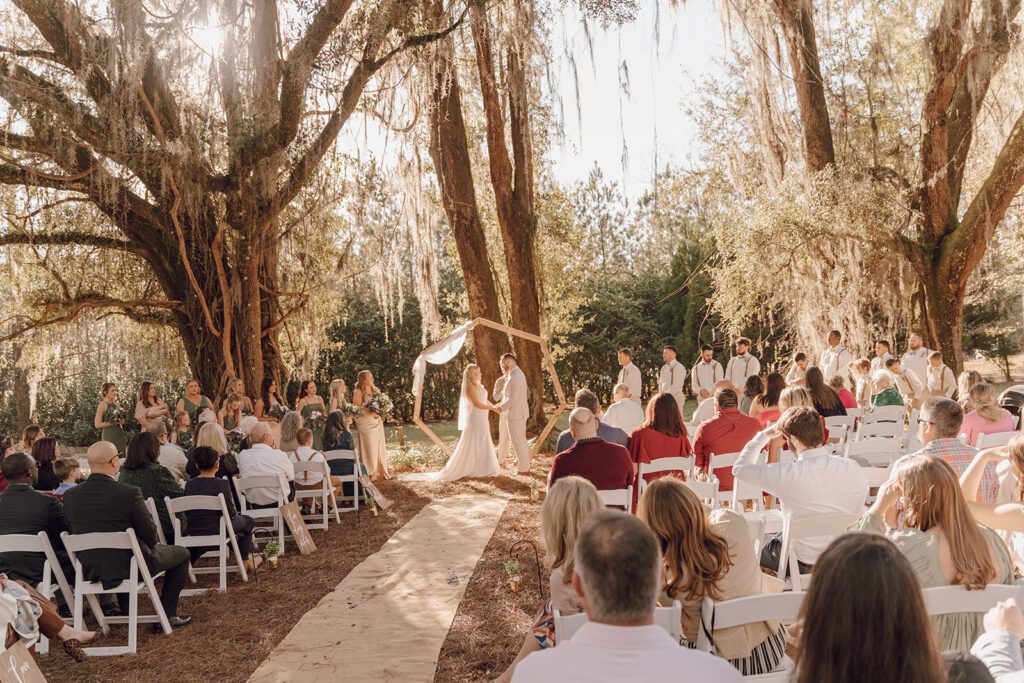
797	19
512	180
449	150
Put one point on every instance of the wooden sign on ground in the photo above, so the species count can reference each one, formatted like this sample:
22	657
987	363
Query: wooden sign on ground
297	526
17	666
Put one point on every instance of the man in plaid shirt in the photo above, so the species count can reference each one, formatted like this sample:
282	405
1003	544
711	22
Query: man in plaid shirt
939	431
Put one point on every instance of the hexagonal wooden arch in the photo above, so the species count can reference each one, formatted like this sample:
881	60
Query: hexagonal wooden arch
559	394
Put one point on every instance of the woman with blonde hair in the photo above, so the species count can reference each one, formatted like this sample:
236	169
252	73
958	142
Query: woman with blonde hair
964	383
711	555
336	398
210	435
942	539
567	505
234	385
985	416
373	451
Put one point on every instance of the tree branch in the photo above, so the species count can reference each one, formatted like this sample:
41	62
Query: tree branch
72	237
80	304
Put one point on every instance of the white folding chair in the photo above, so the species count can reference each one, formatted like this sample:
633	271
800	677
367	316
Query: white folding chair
668	618
160	536
742	490
617	498
661	465
705	490
719	461
884	430
272	515
837	422
803	528
53	576
953	599
750	610
855	413
139	581
994	439
324	493
876	476
884	414
219	542
878	451
349	478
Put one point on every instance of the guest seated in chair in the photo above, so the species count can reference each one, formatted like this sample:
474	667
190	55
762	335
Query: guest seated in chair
606	465
101	504
142	470
37	615
261	459
567	505
207	522
727	432
585	398
304	453
23	510
618	575
337	437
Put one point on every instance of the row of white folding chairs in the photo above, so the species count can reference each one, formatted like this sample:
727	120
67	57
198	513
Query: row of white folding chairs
785	607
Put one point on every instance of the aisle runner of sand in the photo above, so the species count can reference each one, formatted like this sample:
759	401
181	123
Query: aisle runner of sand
388	619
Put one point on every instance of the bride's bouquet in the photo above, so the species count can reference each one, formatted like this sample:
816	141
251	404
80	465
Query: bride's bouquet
380	404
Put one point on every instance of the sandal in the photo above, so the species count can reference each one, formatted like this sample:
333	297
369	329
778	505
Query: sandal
73	647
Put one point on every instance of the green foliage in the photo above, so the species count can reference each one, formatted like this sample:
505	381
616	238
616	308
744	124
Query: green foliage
512	567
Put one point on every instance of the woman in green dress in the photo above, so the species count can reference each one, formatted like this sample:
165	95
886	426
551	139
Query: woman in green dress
314	412
942	539
230	416
193	402
234	385
110	415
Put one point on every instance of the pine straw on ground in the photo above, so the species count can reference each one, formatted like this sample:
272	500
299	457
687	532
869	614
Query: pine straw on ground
233	632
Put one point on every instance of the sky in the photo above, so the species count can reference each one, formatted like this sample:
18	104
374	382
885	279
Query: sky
661	75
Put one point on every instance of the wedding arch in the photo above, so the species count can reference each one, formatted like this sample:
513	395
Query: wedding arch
444	350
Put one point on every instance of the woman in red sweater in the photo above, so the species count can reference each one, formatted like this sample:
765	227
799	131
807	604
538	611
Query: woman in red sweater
661	435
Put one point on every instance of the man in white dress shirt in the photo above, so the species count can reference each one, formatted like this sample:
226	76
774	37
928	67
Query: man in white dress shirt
630	375
816	484
915	360
618	575
881	355
515	404
836	358
171	457
673	376
261	459
624	413
741	366
706	373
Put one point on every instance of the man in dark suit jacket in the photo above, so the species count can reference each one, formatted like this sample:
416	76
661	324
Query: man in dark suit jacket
23	510
101	503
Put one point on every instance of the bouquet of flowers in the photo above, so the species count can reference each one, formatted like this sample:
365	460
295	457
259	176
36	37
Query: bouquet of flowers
235	439
185	440
380	404
277	411
351	411
315	421
114	414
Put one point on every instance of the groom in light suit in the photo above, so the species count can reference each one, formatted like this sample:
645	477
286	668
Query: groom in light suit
514	405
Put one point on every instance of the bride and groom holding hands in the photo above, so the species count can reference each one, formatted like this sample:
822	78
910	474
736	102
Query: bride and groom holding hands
474	455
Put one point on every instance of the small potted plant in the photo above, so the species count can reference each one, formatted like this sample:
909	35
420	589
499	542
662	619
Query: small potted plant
271	550
534	490
515	579
370	502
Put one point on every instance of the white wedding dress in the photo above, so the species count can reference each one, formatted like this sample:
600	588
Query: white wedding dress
474	455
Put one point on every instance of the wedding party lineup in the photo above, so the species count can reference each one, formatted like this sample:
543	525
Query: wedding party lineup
511	341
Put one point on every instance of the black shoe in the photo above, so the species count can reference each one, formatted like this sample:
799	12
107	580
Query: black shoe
64	612
110	610
175	622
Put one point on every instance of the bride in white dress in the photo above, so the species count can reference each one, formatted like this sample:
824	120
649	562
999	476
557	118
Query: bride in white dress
474	455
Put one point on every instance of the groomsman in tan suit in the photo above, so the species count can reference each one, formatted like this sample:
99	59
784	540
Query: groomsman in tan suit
673	375
630	375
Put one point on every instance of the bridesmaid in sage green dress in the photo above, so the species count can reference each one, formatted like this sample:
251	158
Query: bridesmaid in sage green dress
309	403
234	385
193	402
110	415
230	416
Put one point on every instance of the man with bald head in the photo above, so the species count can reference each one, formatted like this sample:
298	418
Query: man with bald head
102	504
23	510
263	459
606	465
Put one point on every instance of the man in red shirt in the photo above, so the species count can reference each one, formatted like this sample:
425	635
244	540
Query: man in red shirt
727	432
606	465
